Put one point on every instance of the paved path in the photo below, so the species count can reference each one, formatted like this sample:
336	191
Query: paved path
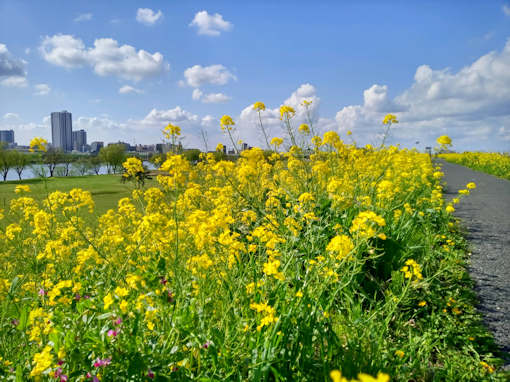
486	215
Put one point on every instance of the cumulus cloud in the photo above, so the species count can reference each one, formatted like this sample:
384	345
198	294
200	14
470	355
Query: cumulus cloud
147	16
83	17
14	82
198	75
215	98
106	57
42	89
12	116
126	89
197	93
12	69
468	104
210	97
210	25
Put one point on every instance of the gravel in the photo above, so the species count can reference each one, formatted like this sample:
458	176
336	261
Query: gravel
485	214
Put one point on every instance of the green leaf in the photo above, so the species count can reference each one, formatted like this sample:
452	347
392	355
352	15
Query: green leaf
19	374
23	319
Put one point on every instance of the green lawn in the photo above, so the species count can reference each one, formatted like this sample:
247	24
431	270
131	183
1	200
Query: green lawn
106	189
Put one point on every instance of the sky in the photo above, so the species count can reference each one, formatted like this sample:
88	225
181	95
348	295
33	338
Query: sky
127	69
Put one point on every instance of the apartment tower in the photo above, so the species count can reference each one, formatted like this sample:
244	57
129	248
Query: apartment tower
62	130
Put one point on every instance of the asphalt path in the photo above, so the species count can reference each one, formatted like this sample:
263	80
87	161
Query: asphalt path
485	214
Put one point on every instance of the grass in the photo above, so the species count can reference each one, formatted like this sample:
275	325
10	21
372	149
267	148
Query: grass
106	189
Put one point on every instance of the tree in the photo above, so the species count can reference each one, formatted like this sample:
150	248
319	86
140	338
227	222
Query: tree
51	158
67	159
96	163
83	165
20	162
6	161
113	156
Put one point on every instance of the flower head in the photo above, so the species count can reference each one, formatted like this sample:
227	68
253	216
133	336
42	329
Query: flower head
287	112
226	122
389	119
276	141
444	140
259	106
38	143
304	128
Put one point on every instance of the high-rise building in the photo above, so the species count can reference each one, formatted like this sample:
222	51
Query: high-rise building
79	140
62	130
7	136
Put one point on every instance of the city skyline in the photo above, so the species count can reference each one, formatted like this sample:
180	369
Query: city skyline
126	72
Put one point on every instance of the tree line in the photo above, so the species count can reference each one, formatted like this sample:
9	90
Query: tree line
55	162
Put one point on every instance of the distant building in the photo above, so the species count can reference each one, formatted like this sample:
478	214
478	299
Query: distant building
127	146
80	140
96	146
62	130
7	136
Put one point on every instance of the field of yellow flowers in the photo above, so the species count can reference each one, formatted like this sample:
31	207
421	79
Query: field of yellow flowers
497	164
323	264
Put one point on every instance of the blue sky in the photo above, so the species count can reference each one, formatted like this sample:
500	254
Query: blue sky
126	69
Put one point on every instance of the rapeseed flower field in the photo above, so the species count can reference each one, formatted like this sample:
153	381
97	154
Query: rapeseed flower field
497	164
325	261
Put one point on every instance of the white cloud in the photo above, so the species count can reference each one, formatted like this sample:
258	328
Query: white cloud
469	105
198	75
42	89
14	82
215	98
210	97
147	16
506	9
27	51
83	17
126	89
197	93
106	57
210	25
12	69
11	116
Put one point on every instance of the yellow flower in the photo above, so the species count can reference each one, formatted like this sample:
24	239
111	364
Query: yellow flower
341	246
108	301
20	188
287	112
487	367
299	294
390	118
471	186
444	140
38	143
132	166
259	106
42	361
422	303
226	122
449	208
399	353
121	292
304	128
219	147
336	376
276	141
123	306
172	131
